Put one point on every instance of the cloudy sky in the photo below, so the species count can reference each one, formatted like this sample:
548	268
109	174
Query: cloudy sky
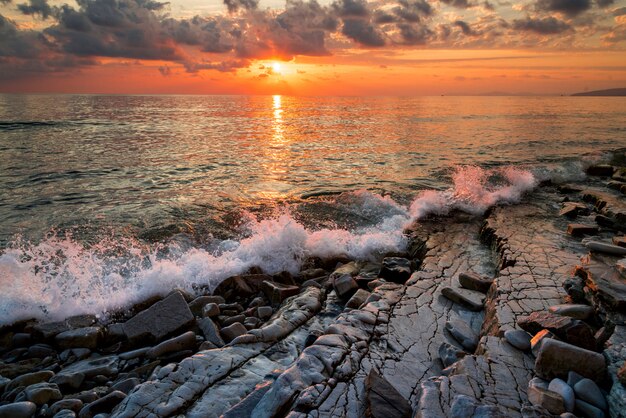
309	47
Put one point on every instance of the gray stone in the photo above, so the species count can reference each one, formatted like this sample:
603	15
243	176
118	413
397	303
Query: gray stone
140	352
395	269
41	351
538	339
247	405
311	282
18	410
210	331
568	329
358	299
573	378
450	354
557	358
518	338
71	404
469	298
603	247
210	310
87	337
575	288
463	333
233	331
65	413
233	319
186	341
576	311
588	391
578	230
587	410
473	281
251	322
42	393
29	379
196	306
162	319
51	329
345	286
105	366
71	381
382	400
265	312
566	392
102	405
551	401
278	292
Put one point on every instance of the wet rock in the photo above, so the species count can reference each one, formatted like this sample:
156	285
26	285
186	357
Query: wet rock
395	269
233	319
551	401
463	333
350	268
473	281
251	322
312	283
265	312
312	337
573	209
210	331
162	319
345	286
69	381
588	411
102	405
556	358
573	378
358	299
375	283
603	247
518	339
41	351
129	355
243	286
42	393
12	370
18	410
566	392
29	379
575	288
70	404
210	310
21	339
469	298
233	331
105	366
186	341
247	405
87	337
576	311
588	391
51	329
65	413
578	230
605	282
568	329
277	292
197	305
382	400
621	374
600	170
207	345
450	354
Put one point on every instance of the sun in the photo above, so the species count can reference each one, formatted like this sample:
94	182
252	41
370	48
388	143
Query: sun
276	67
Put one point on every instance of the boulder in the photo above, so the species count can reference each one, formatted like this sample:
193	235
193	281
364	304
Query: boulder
233	319
576	311
358	299
586	410
29	379
568	329
186	341
197	305
102	405
159	321
567	393
450	354
463	333
473	281
264	312
575	288
345	286
550	401
51	329
606	248
210	331
556	358
382	400
600	170
18	410
277	292
518	339
72	404
210	310
42	393
233	331
243	286
395	269
469	298
87	337
573	209
588	391
578	230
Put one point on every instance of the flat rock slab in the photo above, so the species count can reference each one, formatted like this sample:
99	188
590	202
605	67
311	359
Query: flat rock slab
576	311
382	400
578	230
471	299
606	283
603	247
474	281
571	330
161	320
557	358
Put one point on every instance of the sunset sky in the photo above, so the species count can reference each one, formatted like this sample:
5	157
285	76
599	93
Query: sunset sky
309	47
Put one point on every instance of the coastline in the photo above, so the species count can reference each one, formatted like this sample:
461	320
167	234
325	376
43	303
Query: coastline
350	338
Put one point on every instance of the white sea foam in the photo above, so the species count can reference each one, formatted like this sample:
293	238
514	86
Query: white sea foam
59	277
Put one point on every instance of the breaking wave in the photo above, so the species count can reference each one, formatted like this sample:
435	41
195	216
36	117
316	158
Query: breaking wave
60	277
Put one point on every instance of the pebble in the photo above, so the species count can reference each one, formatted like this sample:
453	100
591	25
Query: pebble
233	331
518	339
587	410
395	269
210	331
233	319
576	311
29	379
473	281
588	391
567	393
449	354
251	322
463	333
104	404
551	401
67	404
210	310
87	337
345	286
358	299
265	312
470	298
42	393
65	413
578	230
18	410
185	341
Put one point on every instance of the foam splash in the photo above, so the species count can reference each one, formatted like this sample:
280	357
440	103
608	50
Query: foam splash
60	277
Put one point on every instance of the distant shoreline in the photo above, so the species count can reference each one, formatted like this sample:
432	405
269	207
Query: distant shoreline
604	93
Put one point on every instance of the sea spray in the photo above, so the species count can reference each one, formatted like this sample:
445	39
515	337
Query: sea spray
59	277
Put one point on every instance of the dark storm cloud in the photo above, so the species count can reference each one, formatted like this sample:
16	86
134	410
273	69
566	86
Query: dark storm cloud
604	3
234	5
545	26
18	43
414	34
568	7
465	28
460	4
363	32
351	8
36	7
619	12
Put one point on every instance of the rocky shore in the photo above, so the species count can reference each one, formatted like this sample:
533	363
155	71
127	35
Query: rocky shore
519	313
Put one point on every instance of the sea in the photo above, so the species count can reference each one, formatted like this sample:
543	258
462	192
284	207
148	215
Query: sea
106	200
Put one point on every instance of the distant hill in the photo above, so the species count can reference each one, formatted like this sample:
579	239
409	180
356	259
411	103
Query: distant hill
609	92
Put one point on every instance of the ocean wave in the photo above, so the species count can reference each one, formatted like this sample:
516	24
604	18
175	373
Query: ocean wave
61	276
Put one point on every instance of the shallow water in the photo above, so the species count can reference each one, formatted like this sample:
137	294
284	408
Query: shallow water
108	199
